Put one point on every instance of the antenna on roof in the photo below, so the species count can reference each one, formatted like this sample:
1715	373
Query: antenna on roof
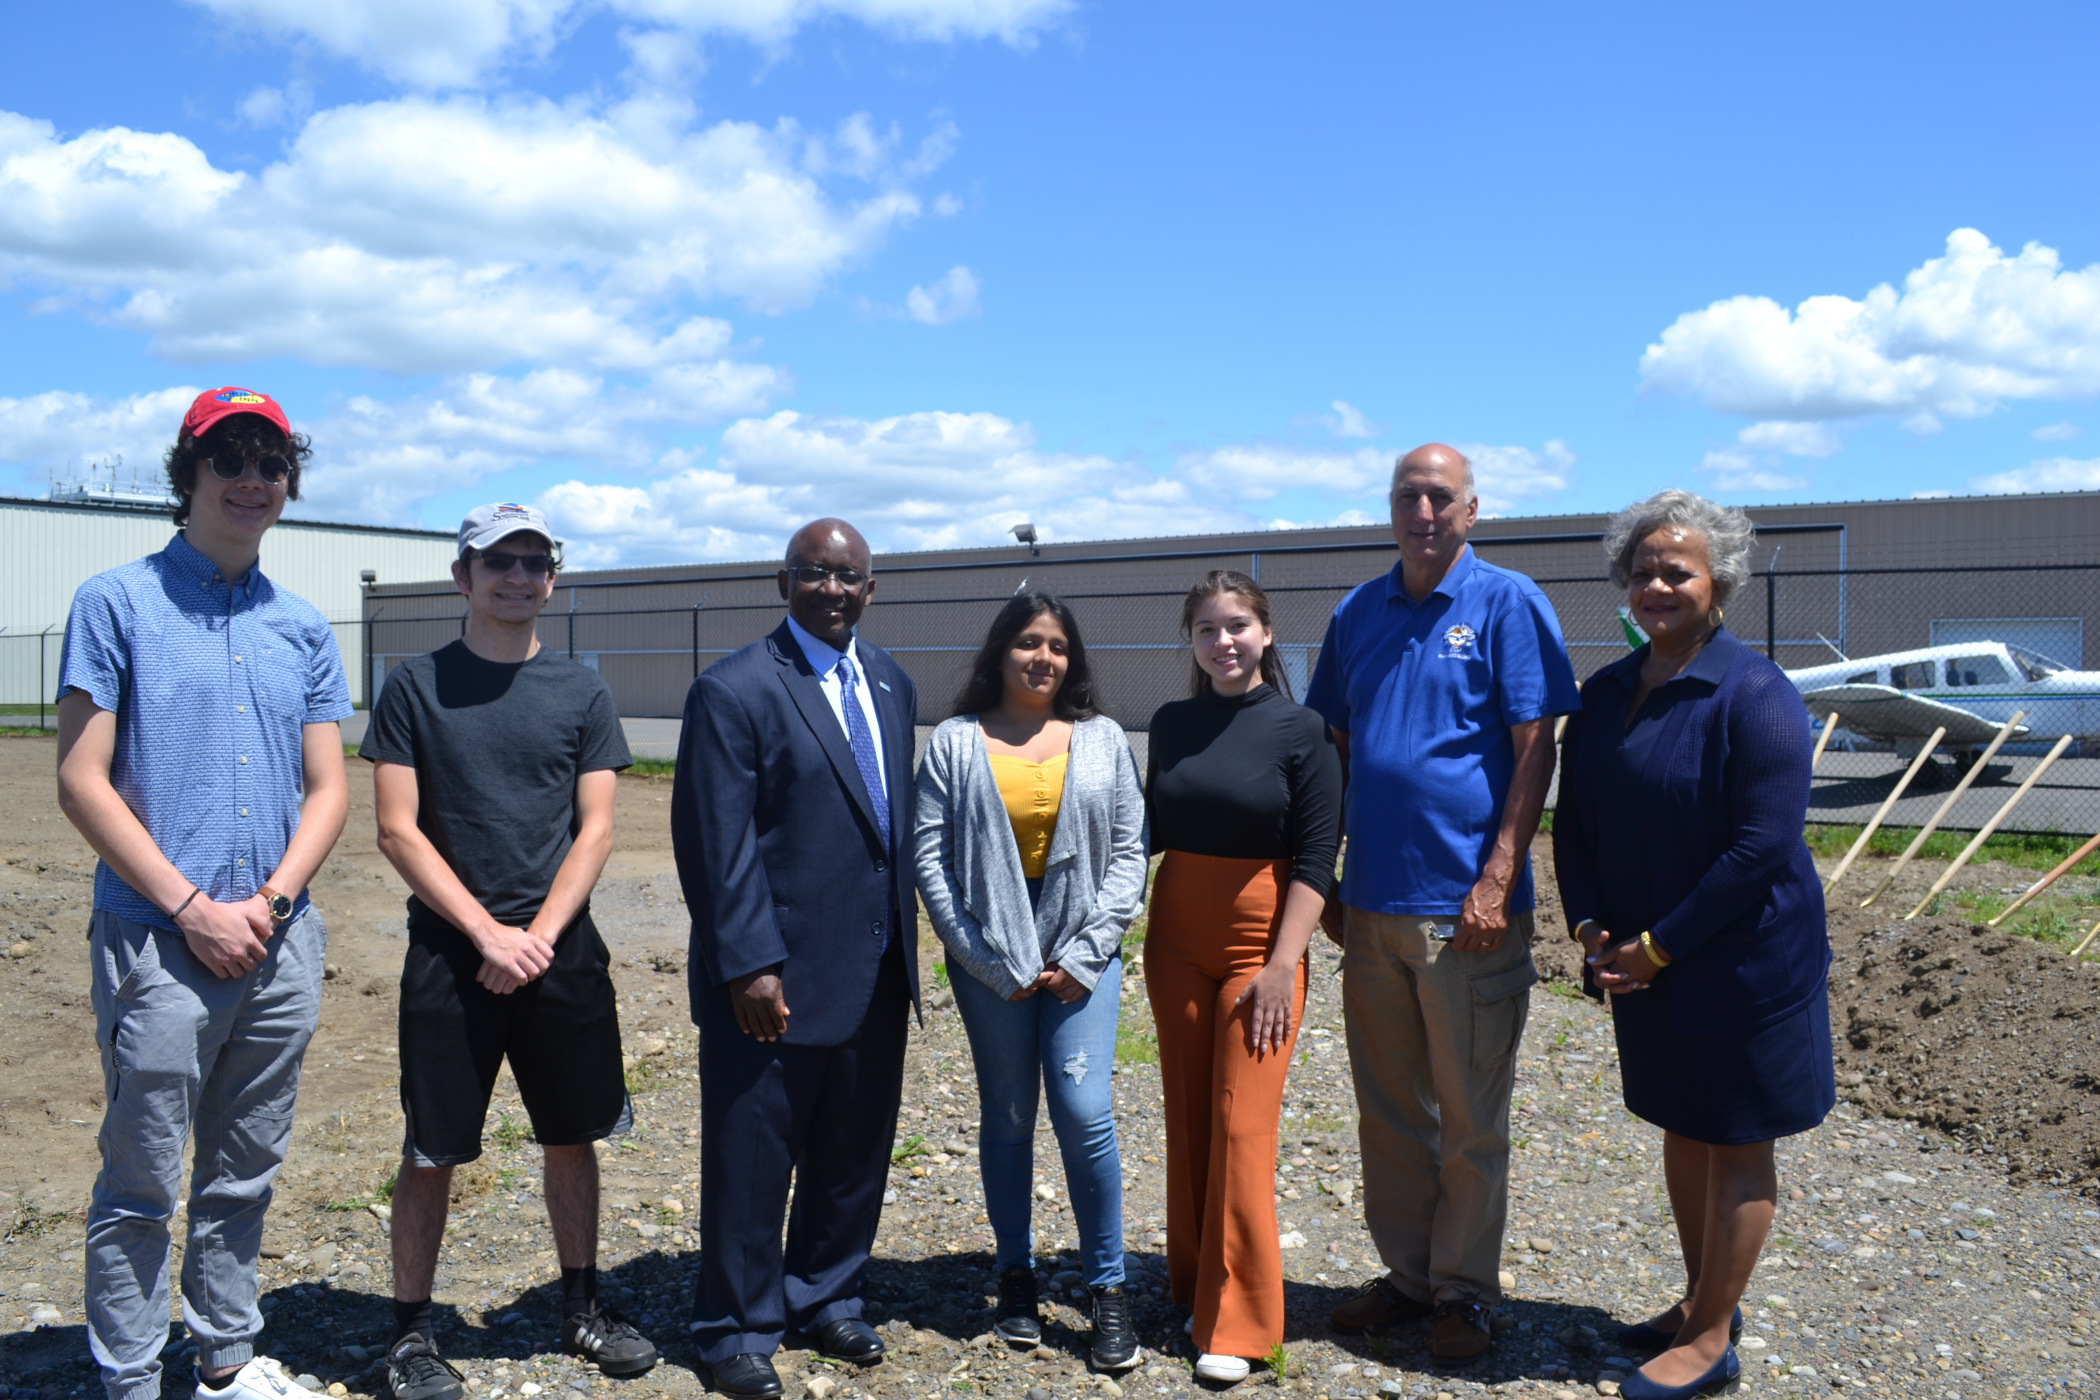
1832	645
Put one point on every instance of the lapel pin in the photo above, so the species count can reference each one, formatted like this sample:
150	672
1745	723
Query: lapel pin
884	684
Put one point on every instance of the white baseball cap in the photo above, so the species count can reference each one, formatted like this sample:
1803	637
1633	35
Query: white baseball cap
485	525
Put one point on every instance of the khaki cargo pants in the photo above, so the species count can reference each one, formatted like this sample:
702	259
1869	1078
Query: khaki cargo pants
1432	1046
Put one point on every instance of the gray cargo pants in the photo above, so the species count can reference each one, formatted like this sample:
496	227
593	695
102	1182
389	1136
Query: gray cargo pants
184	1051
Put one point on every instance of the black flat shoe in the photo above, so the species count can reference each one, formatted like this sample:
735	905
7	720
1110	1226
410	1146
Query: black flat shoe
849	1339
747	1377
1642	1337
1017	1319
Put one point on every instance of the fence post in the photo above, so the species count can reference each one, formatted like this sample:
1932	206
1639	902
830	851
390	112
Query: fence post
572	624
1772	614
41	649
696	641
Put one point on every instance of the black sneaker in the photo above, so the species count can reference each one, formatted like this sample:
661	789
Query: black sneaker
415	1371
1016	1319
1115	1335
603	1336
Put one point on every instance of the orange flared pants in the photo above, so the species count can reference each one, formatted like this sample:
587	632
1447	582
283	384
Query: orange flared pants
1212	923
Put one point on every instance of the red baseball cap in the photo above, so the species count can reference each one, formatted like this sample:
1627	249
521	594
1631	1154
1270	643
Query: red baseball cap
215	404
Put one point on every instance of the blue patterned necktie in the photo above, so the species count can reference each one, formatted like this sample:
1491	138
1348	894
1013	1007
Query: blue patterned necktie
863	741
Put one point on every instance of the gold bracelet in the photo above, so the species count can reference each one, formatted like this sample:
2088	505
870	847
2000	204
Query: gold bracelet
1580	925
1654	950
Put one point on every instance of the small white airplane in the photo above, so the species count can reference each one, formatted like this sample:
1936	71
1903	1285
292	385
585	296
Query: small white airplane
1970	689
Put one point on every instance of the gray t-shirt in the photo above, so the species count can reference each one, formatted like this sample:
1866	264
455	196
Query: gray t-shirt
497	748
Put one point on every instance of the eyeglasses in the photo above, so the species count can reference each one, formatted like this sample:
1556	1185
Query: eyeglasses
272	469
814	576
537	565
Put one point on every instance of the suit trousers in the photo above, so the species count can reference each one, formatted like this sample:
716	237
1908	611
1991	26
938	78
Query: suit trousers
824	1116
1432	1047
1213	921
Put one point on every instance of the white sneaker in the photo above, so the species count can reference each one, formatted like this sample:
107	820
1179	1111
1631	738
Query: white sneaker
260	1379
1226	1370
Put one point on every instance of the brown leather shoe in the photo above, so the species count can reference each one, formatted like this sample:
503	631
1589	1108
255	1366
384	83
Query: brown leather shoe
1460	1332
1377	1306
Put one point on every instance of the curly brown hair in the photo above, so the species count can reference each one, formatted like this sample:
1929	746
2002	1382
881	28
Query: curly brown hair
244	435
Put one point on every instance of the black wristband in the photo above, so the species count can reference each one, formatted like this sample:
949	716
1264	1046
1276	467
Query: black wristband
176	912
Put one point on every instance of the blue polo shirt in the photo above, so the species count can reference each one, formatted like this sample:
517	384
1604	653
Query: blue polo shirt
213	682
1426	693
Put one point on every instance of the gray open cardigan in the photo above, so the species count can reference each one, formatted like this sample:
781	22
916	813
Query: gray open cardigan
969	867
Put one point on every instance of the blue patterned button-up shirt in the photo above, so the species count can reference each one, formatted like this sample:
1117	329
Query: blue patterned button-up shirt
212	684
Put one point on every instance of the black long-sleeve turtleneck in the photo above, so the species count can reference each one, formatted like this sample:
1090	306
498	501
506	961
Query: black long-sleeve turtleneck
1248	777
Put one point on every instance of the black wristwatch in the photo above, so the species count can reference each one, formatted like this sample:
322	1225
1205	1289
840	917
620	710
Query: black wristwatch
280	905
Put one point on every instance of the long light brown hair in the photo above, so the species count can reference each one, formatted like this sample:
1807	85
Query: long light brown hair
1214	584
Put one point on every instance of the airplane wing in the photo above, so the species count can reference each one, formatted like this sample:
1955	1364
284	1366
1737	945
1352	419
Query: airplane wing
1882	712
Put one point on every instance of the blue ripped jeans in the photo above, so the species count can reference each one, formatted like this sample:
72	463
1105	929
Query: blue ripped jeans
1019	1046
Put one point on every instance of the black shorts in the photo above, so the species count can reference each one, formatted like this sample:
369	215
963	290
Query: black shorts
561	1032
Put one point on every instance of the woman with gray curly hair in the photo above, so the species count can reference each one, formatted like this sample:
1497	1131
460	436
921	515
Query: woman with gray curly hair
1683	873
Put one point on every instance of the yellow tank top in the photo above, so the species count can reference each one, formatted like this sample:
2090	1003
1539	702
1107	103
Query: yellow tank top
1031	792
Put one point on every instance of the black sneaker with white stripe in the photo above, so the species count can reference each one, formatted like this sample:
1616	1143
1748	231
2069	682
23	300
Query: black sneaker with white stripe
415	1371
603	1336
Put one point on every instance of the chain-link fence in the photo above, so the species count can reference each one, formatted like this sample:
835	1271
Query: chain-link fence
1804	607
28	677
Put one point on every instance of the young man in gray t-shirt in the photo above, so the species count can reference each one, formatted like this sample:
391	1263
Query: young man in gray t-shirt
495	764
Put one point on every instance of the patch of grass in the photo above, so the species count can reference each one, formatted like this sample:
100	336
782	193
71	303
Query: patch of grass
2048	919
913	1146
1560	987
2039	850
510	1133
640	1076
19	731
346	1205
385	1193
1278	1361
1546	822
661	768
940	975
1136	1047
1323	1123
32	1221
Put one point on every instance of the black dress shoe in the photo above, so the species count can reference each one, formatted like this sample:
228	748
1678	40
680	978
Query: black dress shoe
747	1377
849	1339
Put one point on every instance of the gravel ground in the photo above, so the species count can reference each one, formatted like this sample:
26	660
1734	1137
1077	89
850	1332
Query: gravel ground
1898	1260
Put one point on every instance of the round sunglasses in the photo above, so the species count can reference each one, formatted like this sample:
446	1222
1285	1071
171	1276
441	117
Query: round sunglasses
272	469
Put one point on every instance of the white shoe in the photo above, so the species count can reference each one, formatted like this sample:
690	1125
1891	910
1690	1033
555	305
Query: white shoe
260	1379
1226	1370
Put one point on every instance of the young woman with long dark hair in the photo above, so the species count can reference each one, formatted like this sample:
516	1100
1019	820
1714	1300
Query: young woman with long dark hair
1245	800
1031	863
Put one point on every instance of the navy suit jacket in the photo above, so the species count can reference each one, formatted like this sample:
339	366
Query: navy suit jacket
777	846
1731	892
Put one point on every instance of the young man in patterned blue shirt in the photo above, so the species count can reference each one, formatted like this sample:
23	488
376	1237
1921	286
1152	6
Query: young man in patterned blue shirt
200	755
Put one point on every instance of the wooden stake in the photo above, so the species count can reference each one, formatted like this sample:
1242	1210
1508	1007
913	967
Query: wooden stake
1918	842
1924	757
1822	740
2047	880
2003	812
2087	939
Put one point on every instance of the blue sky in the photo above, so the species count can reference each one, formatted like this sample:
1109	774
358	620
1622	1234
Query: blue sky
689	271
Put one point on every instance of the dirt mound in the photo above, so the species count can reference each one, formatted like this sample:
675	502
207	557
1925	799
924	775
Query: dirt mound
1984	1035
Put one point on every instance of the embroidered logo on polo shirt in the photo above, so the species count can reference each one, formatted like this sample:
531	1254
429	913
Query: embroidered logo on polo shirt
1460	643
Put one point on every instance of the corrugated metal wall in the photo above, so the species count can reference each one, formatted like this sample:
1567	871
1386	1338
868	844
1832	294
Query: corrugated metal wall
47	550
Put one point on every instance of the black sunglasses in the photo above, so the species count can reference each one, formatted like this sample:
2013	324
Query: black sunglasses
271	469
814	575
538	565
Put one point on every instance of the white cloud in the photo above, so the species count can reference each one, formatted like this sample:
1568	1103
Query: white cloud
1507	478
950	299
1258	471
1968	331
2050	474
1734	469
59	431
451	43
1793	439
2056	432
1349	421
424	236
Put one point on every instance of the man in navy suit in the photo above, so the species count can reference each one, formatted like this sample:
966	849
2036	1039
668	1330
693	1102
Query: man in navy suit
791	822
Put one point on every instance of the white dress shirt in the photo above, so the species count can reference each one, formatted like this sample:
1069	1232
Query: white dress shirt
824	660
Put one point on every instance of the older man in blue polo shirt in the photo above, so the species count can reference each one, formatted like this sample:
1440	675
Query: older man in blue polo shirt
200	755
1440	681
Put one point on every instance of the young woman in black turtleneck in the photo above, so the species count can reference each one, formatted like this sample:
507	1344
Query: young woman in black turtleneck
1245	797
